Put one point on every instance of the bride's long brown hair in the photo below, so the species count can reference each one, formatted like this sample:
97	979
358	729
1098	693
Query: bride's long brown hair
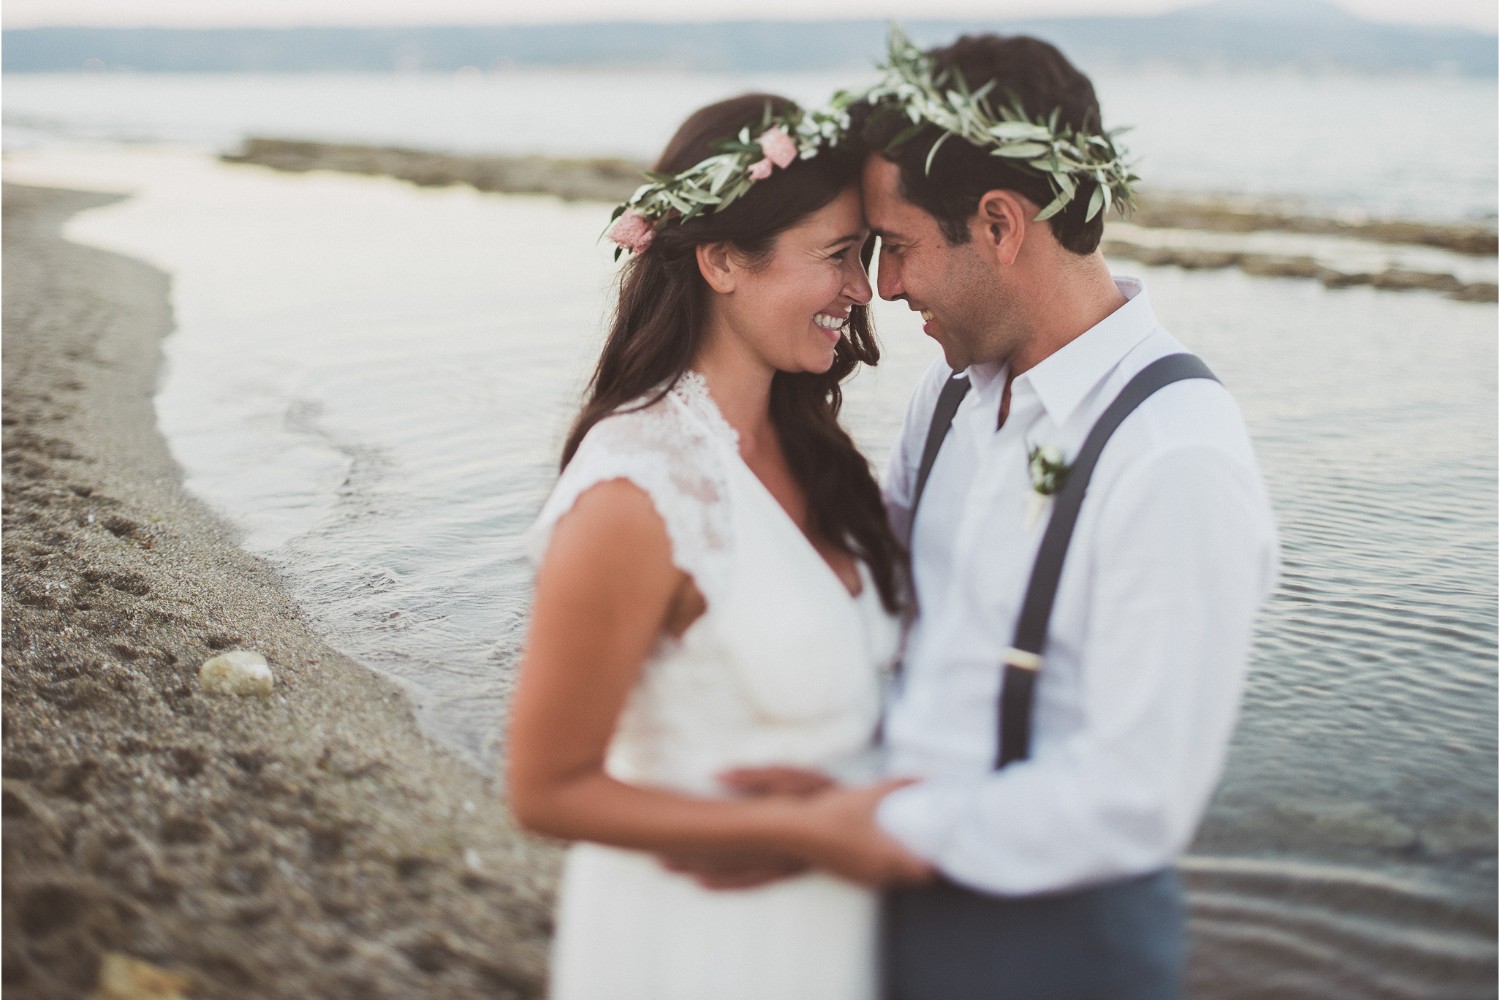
658	325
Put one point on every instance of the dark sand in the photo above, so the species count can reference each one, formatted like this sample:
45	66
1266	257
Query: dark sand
310	844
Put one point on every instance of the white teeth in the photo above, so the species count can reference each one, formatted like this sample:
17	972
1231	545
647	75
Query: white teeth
927	315
828	322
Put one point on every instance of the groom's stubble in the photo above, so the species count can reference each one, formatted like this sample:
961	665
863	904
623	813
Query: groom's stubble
980	321
977	318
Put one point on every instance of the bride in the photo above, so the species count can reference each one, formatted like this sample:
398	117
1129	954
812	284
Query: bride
718	586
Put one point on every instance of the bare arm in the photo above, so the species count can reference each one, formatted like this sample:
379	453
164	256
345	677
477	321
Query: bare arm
747	869
606	589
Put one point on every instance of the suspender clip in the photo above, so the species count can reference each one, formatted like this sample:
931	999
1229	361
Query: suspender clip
1023	659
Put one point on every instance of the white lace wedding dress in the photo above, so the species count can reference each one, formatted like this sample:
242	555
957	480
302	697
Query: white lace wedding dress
784	667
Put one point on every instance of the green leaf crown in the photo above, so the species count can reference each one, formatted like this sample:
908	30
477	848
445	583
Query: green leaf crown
723	178
1066	157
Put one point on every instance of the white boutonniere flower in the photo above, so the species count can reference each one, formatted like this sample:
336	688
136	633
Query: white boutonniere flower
1048	474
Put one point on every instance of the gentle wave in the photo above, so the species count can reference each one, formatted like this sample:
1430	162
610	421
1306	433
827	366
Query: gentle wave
1282	929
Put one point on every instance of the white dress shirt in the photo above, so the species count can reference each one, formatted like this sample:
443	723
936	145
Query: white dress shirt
1173	554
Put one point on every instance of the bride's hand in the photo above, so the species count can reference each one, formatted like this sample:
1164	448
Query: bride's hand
733	871
844	839
777	780
751	870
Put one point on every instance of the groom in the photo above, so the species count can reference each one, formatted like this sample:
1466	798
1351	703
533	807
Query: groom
1064	764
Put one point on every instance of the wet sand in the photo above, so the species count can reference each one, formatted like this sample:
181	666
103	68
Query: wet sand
309	844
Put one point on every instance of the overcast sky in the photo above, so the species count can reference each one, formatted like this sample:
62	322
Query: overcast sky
203	13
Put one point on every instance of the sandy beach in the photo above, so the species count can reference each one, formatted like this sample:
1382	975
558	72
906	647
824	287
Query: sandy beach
306	844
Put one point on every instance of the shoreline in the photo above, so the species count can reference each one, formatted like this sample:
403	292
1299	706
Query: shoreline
1147	238
315	844
312	843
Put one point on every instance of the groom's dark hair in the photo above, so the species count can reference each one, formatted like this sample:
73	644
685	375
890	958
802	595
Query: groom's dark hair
1041	79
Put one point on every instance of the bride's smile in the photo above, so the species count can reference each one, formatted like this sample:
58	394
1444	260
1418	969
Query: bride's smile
789	308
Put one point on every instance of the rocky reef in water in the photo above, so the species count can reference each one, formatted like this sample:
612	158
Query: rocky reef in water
1150	237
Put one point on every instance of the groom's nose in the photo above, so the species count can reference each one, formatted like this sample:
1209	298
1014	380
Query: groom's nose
888	279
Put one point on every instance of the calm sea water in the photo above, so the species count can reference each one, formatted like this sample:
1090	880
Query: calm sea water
1406	146
372	380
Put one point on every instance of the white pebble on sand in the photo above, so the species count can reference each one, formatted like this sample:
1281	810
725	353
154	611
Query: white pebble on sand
124	978
239	671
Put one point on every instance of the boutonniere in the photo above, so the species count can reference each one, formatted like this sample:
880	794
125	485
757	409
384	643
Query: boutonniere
1048	474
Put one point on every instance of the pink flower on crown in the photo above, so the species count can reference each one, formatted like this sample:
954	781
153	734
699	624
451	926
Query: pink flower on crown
778	146
760	170
632	231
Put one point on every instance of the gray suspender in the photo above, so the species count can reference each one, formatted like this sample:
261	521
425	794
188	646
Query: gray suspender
1024	658
954	391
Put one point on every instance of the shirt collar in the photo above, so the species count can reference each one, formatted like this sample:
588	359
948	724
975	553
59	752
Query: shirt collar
986	378
1064	379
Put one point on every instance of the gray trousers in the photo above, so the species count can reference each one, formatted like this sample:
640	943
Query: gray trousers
1121	941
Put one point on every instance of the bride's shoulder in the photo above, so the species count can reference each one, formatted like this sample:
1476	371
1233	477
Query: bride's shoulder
677	420
662	447
642	414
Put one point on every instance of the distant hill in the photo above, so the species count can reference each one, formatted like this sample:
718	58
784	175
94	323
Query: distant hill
1295	34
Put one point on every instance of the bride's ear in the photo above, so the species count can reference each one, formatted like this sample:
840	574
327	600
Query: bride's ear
716	264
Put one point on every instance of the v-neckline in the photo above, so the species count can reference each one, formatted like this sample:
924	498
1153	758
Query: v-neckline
812	549
728	437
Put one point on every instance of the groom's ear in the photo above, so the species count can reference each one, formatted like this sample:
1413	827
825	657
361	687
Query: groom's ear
717	265
999	225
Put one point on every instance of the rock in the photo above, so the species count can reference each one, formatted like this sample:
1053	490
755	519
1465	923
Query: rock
1477	291
1165	210
1405	281
1343	279
1187	258
238	671
1273	266
1192	259
601	179
124	978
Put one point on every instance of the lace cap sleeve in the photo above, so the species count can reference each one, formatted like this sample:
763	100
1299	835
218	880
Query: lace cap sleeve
671	456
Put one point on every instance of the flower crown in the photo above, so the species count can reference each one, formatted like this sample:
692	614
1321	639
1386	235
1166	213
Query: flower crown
722	179
1064	156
